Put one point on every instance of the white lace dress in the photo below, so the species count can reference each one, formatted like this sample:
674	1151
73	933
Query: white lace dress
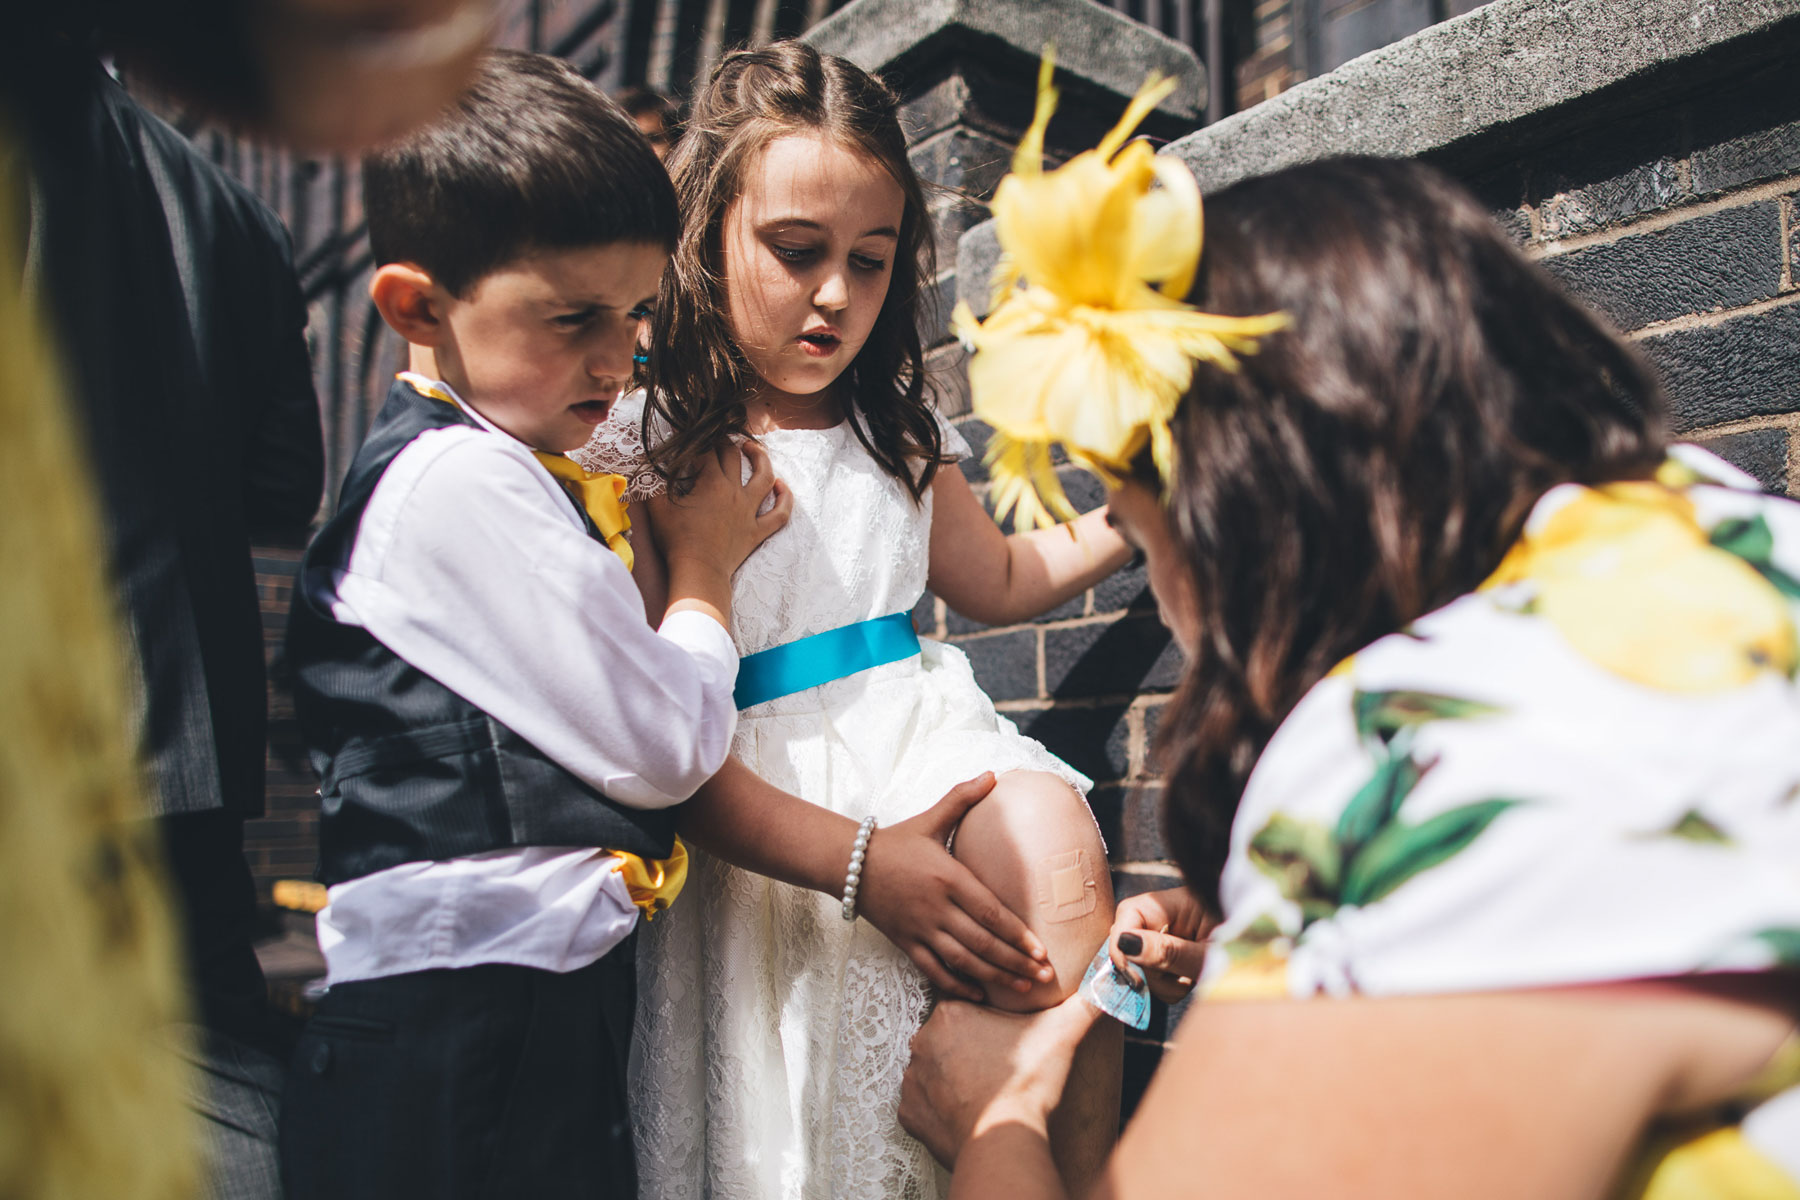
771	1033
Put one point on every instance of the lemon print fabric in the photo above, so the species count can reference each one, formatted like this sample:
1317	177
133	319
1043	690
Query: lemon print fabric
1586	770
1629	576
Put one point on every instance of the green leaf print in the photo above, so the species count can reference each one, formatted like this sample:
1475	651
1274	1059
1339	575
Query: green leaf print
1304	861
1380	715
1377	801
1784	941
1694	827
1400	852
1750	539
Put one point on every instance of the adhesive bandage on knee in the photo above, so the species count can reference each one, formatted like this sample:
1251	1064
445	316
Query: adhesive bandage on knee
1066	887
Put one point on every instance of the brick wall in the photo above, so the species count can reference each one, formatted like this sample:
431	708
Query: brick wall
1680	223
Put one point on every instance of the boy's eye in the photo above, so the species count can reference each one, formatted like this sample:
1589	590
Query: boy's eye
642	312
575	320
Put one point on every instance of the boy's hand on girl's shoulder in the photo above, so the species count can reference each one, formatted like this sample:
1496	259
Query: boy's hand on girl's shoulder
717	524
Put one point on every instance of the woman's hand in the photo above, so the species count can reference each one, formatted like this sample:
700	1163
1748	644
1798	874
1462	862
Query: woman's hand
975	1068
943	918
1162	932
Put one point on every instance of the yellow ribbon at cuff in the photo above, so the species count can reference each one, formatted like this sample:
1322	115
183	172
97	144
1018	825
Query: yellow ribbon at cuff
1098	347
654	883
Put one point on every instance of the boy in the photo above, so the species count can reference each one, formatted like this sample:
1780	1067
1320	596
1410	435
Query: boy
477	684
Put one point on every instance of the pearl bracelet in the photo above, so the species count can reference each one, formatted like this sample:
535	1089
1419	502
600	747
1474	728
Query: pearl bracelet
853	878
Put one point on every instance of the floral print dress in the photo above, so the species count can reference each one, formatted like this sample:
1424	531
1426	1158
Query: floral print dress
1586	770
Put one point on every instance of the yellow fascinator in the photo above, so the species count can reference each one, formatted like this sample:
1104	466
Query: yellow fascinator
1096	350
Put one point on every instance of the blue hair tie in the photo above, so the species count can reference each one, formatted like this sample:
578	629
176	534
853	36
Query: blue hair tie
641	358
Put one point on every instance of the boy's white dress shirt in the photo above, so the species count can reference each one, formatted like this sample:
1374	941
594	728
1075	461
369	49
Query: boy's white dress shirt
472	564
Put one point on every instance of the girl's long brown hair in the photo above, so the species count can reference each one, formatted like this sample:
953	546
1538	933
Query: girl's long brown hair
1373	462
698	378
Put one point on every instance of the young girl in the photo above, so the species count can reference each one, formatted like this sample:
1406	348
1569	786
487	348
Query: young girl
772	1031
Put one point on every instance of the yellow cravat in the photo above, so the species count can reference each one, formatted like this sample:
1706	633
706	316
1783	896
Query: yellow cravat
653	883
602	496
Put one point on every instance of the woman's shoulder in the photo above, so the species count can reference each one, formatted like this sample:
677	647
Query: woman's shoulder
1588	769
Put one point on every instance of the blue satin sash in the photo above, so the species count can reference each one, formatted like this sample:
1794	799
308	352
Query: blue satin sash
809	661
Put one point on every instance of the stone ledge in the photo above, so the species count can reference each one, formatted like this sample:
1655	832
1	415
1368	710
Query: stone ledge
1093	43
1500	64
1488	86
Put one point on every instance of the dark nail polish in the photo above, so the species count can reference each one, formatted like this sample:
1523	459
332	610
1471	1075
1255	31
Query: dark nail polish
1130	943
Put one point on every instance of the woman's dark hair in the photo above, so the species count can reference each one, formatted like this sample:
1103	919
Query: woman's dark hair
531	157
1374	461
698	378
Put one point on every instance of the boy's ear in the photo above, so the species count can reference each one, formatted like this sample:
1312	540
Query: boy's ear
411	302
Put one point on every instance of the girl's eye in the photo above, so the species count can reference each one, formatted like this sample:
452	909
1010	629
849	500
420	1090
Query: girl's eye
865	263
792	254
575	320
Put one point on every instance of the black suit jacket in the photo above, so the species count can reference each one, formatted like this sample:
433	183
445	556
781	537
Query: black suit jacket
173	294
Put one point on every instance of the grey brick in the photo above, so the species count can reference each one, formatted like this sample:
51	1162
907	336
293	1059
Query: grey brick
1125	656
947	383
1152	723
936	301
924	616
1128	587
1761	452
951	217
1515	223
936	106
1089	739
1749	133
1793	238
1637	190
1130	817
976	432
1720	260
957	625
1748	366
1005	664
1754	158
963	159
1130	883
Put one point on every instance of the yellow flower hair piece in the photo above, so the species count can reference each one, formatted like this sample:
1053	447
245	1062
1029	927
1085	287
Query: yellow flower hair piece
1096	350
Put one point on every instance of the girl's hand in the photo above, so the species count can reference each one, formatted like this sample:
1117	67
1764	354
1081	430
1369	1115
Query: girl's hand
974	1068
1163	933
932	907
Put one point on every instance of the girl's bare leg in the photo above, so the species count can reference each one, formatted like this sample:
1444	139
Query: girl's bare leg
1033	842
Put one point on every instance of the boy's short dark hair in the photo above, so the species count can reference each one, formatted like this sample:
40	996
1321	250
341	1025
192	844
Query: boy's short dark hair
532	156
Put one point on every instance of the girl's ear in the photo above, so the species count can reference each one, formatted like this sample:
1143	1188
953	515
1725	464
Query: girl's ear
411	302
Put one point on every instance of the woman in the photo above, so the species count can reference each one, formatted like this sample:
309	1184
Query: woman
1488	752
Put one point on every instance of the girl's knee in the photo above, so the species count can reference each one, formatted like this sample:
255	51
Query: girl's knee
1034	843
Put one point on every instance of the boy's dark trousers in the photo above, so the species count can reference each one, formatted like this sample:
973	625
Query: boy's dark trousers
488	1081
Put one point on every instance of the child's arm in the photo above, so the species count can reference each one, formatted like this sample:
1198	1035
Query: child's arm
919	897
648	570
998	579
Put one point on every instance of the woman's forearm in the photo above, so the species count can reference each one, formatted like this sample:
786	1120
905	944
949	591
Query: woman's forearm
1010	1157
